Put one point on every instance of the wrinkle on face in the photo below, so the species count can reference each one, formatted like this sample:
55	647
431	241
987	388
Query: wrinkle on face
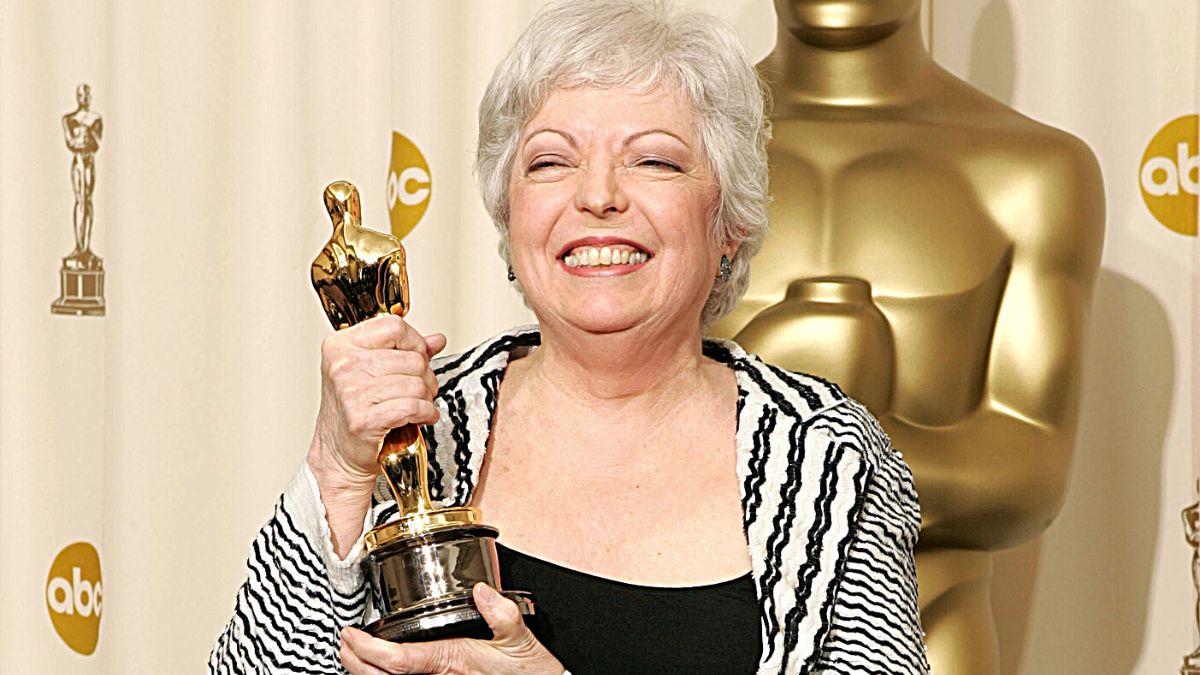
618	163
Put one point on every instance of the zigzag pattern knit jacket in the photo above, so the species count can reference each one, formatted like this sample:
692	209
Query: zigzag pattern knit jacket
830	516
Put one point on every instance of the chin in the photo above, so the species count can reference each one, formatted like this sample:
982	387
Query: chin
844	19
603	316
603	325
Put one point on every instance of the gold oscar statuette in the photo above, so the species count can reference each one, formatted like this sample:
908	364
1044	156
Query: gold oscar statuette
420	567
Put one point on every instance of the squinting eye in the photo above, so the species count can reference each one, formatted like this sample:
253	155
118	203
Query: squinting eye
661	164
545	163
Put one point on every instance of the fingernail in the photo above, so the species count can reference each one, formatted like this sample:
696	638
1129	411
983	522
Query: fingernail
487	594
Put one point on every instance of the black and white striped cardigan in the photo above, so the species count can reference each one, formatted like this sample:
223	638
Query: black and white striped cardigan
830	516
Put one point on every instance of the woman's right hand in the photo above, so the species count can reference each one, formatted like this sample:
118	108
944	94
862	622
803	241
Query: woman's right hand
375	376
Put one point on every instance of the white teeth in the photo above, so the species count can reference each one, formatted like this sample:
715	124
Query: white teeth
603	256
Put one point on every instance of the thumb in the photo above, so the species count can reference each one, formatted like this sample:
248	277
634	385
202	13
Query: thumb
435	343
503	617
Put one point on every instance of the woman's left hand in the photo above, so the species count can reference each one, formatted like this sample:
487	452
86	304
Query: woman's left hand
512	649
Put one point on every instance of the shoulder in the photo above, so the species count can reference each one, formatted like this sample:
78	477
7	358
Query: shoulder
820	408
1053	202
486	359
809	399
797	395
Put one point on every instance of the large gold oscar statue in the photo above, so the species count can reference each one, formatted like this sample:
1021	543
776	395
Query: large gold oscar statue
934	252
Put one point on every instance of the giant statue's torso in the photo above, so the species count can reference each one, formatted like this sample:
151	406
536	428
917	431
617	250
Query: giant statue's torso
935	258
894	204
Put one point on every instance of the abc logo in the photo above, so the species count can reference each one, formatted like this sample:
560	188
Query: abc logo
1170	174
75	596
408	186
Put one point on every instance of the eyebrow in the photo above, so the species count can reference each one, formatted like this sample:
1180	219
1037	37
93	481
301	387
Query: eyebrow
547	130
575	144
668	132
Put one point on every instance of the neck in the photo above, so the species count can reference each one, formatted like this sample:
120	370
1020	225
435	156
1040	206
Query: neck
614	370
892	70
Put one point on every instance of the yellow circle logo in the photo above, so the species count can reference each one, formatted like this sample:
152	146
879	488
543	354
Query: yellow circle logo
408	187
1170	174
75	596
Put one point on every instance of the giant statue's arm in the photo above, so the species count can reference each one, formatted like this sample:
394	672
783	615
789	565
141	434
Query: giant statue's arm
998	477
69	137
1191	524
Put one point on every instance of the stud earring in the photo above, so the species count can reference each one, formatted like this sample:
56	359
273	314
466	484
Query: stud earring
726	269
511	276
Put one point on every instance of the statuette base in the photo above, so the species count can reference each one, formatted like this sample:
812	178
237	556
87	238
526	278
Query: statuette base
82	289
421	583
457	618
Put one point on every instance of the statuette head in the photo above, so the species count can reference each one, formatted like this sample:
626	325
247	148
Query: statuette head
83	95
360	272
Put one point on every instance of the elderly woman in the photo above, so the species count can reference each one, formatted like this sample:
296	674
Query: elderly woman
674	504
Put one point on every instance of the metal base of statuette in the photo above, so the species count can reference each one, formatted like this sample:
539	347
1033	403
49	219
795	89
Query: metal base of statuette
455	618
82	289
422	584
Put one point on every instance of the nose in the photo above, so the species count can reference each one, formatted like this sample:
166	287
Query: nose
600	191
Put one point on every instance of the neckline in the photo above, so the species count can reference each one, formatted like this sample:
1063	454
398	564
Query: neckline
619	583
528	338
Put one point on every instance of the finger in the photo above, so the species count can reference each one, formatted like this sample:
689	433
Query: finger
406	659
392	362
435	343
430	381
388	387
353	663
386	331
502	616
400	411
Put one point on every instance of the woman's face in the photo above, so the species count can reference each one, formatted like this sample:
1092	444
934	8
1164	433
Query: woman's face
610	202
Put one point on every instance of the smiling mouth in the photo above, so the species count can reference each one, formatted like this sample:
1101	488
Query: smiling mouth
605	256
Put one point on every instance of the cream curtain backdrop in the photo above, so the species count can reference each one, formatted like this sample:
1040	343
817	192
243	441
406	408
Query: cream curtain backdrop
1107	589
163	432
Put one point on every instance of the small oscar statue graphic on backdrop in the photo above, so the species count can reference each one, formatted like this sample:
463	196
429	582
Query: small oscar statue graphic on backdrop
82	273
1191	525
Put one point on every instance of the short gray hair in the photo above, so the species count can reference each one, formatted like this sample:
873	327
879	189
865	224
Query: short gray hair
644	44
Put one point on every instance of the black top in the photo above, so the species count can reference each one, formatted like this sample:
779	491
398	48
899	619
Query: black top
598	625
